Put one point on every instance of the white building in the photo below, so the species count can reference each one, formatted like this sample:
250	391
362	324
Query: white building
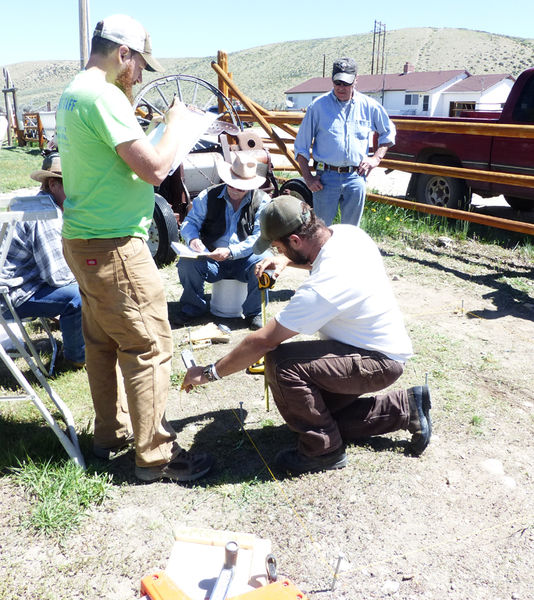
429	94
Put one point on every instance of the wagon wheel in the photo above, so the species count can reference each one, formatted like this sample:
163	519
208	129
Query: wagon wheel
155	98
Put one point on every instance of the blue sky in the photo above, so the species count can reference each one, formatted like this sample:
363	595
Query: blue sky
181	28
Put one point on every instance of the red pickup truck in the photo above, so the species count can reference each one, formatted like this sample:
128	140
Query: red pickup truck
488	153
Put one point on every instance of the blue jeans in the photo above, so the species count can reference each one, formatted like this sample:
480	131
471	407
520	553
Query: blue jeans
66	303
346	190
194	273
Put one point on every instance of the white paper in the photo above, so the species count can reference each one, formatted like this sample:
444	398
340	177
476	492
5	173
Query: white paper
184	251
192	126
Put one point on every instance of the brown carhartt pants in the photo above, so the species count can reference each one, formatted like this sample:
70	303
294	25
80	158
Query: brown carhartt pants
128	343
318	386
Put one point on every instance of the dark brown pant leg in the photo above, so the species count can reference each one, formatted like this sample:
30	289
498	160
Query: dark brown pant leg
317	385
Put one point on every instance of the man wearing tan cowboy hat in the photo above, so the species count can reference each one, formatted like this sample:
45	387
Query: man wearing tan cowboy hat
109	169
39	280
224	224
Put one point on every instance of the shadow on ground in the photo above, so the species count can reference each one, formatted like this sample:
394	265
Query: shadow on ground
508	300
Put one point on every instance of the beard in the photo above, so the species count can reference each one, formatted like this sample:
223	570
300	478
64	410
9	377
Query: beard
124	80
295	256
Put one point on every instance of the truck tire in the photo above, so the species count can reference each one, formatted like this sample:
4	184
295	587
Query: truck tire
439	190
296	187
520	203
162	231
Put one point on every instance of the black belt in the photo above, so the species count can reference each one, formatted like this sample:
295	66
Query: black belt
321	166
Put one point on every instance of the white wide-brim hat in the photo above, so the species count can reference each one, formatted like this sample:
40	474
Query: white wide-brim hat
241	174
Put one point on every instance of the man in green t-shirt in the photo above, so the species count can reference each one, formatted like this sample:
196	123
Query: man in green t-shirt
109	170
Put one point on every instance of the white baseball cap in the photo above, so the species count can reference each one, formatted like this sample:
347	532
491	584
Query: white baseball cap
126	31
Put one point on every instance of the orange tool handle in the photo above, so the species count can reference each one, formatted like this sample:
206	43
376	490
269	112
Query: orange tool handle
161	587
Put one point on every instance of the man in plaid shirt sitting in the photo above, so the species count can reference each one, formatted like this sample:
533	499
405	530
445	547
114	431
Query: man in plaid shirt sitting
39	280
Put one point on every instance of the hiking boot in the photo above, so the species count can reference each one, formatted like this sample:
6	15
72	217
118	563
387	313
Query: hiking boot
181	319
420	425
254	322
186	466
64	364
114	451
292	461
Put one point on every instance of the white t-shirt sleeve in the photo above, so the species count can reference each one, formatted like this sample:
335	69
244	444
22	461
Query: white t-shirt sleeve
307	312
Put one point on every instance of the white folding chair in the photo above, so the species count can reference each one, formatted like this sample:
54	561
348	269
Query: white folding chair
27	209
15	320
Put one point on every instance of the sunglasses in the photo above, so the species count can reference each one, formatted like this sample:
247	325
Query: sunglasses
342	83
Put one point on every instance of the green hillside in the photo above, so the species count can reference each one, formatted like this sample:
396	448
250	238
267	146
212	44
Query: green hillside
265	72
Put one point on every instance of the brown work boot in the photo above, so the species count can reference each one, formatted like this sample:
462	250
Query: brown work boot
420	425
186	466
120	448
294	462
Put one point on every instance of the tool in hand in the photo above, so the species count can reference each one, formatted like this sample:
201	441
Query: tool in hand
266	280
222	585
187	357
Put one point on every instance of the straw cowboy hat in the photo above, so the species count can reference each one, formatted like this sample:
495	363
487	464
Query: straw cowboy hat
241	174
51	168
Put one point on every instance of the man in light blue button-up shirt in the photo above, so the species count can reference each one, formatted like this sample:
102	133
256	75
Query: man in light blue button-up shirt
223	225
337	127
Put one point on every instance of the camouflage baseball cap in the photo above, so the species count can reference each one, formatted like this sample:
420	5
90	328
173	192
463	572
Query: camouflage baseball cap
344	69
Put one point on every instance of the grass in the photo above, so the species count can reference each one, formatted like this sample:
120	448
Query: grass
383	220
476	423
16	164
60	494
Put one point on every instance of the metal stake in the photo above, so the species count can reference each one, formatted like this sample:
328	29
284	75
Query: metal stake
334	578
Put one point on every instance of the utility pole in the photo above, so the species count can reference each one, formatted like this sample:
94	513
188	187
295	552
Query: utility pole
84	31
379	47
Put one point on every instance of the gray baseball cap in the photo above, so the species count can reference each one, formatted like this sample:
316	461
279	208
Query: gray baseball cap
344	69
284	215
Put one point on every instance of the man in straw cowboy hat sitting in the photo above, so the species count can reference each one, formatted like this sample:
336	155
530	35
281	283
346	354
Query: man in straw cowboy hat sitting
224	224
39	280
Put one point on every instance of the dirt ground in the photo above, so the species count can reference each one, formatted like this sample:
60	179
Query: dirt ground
456	523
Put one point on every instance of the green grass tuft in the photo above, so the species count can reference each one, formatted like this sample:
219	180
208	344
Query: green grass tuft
60	494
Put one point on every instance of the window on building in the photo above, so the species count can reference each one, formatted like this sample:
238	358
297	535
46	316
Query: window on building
411	99
426	100
524	109
456	108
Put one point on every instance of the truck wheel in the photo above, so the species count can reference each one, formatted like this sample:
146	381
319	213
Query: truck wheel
162	232
296	187
519	203
441	191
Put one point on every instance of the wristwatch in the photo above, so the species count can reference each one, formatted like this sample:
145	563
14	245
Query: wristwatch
210	373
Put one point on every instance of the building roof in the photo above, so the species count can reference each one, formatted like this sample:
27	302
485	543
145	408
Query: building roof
479	83
423	81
